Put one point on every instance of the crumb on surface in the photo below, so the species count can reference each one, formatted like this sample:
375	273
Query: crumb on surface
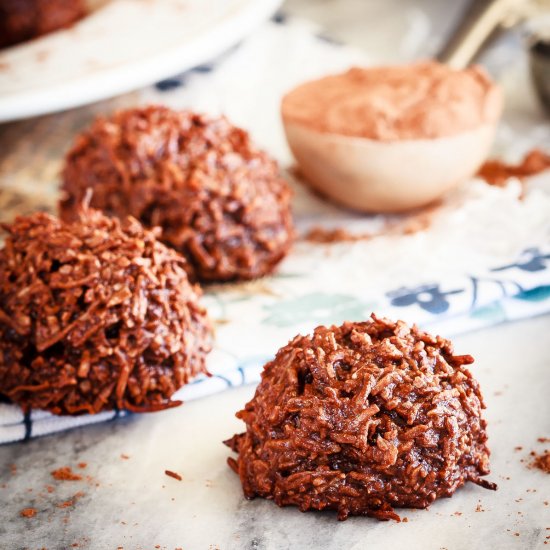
541	462
175	475
65	473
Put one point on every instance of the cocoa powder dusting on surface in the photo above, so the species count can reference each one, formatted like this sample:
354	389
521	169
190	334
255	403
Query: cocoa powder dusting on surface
71	502
28	512
65	473
175	475
321	235
494	172
407	224
66	504
497	172
541	461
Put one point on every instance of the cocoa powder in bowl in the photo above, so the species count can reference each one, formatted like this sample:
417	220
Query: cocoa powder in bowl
218	199
425	100
95	315
360	419
385	139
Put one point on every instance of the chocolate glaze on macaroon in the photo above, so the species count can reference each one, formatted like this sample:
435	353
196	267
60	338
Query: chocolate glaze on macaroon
218	199
360	419
95	315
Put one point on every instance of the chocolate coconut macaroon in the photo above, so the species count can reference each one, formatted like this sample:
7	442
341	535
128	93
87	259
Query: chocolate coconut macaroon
360	419
218	199
22	20
95	315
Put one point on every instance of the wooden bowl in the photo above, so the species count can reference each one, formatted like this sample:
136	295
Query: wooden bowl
388	139
377	176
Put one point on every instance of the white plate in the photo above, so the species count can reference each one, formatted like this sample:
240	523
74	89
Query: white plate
122	45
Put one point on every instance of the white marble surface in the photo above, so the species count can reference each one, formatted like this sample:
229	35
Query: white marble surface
136	506
130	503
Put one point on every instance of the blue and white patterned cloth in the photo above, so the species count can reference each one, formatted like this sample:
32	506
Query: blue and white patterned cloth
484	260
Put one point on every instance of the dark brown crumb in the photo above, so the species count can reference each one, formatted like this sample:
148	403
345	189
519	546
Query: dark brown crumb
218	199
72	501
95	315
175	475
28	512
518	448
65	473
360	419
541	461
496	172
66	504
543	439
